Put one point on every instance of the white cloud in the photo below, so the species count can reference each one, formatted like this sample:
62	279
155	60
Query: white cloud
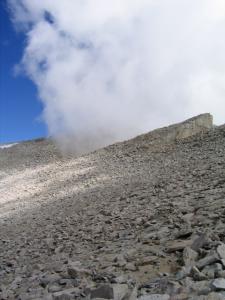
108	70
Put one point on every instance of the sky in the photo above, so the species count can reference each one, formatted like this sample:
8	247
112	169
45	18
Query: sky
20	107
106	71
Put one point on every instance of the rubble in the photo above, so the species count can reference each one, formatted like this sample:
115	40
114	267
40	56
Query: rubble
143	219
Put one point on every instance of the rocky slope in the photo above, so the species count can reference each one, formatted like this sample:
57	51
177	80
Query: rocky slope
142	219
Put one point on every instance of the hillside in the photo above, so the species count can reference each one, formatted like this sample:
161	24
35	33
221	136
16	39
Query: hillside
142	219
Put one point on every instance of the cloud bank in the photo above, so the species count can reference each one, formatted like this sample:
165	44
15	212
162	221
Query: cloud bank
107	70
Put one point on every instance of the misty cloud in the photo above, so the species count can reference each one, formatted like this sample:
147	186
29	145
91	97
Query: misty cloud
109	70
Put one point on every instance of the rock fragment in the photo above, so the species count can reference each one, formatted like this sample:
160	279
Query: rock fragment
121	291
208	260
189	256
75	270
212	271
177	245
219	284
104	291
221	251
199	242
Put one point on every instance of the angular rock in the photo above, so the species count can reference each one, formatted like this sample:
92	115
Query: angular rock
47	279
184	272
189	256
120	279
121	291
75	270
208	260
147	260
104	291
199	287
130	267
197	275
133	295
120	261
221	274
185	232
221	251
199	242
219	284
212	271
177	245
54	288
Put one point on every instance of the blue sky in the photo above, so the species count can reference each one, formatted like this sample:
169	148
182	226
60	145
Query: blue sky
20	108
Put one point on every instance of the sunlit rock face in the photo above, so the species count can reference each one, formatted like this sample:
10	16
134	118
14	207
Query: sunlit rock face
187	128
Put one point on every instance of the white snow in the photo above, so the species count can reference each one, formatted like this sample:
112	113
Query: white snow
7	145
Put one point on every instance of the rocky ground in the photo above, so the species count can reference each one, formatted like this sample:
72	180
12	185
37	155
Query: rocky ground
142	219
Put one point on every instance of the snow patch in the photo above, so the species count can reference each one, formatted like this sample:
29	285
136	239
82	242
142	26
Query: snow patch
7	145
